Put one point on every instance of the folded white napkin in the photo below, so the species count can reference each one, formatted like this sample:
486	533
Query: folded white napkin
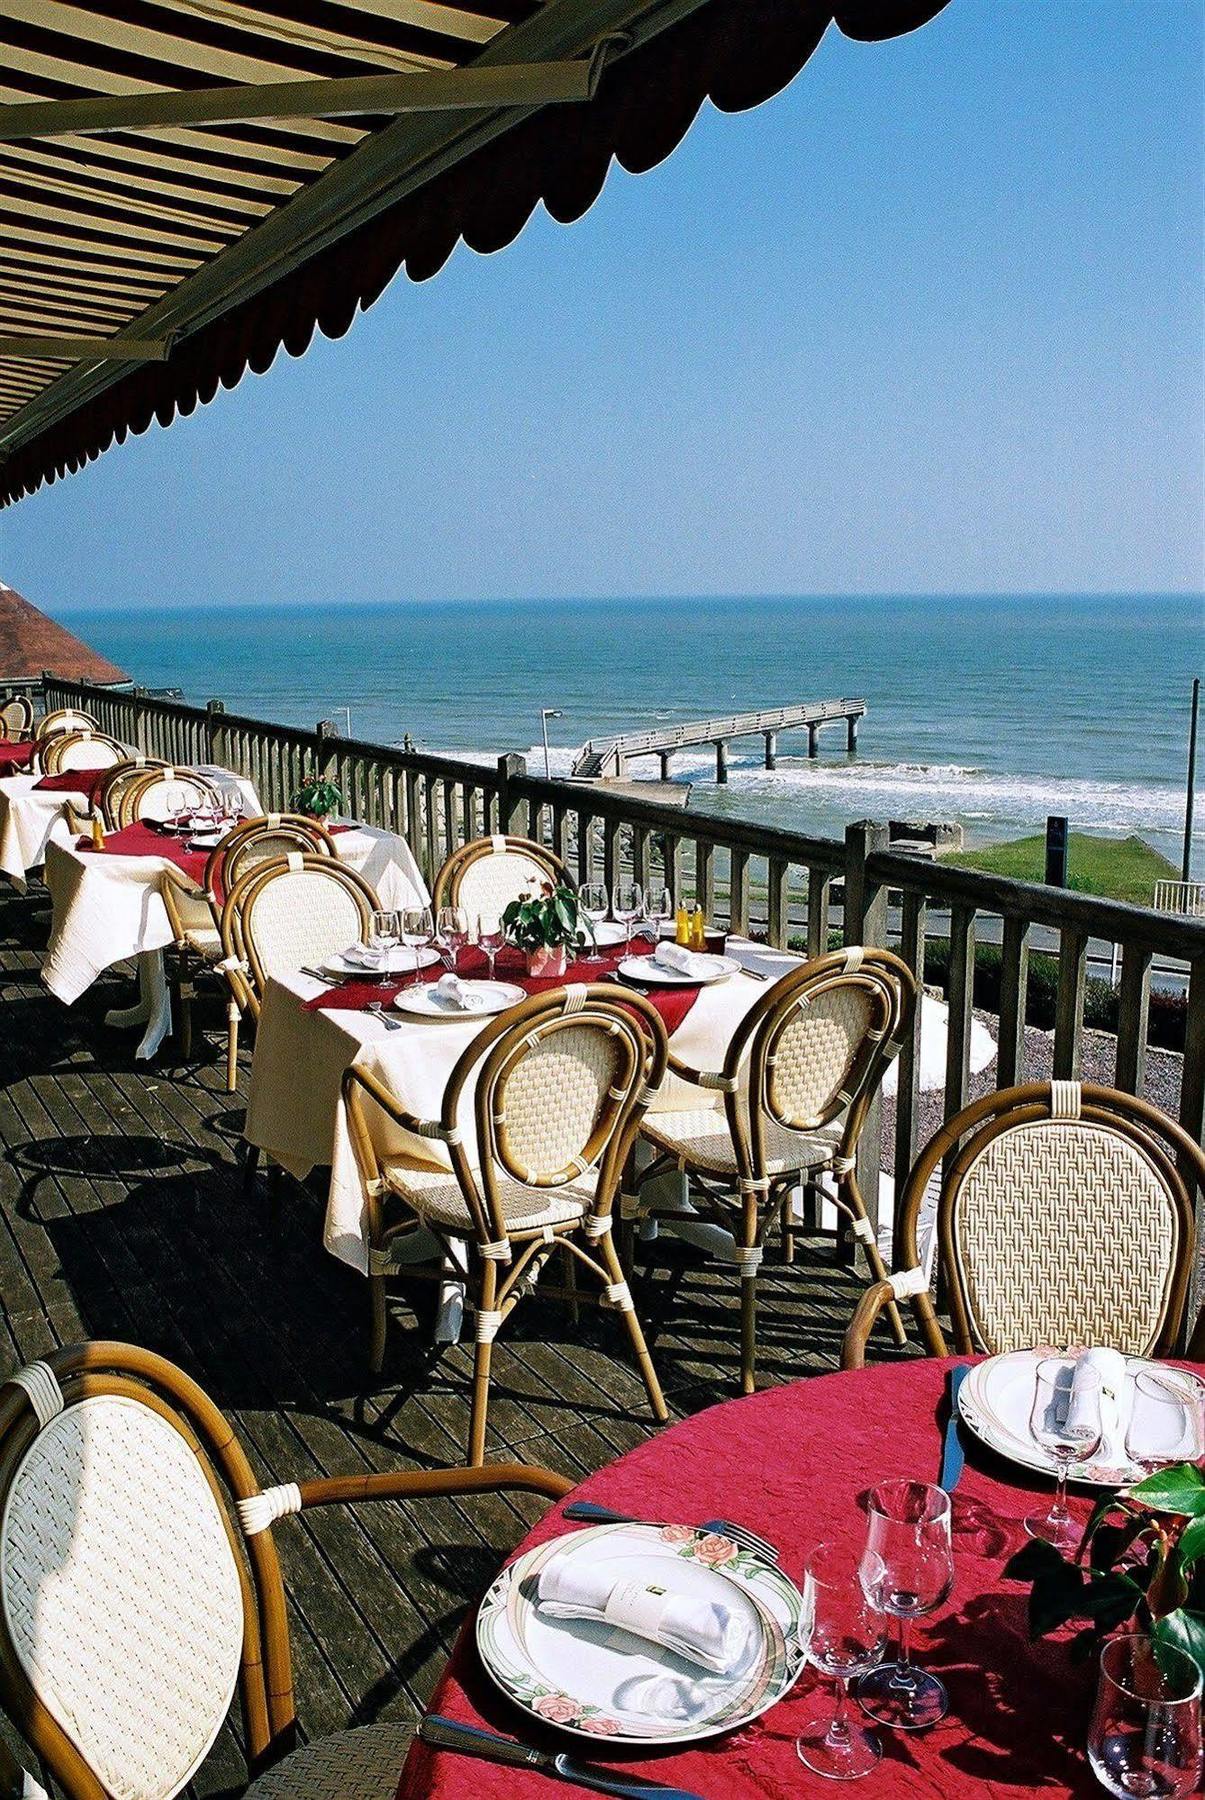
636	1596
684	961
454	992
363	956
1101	1374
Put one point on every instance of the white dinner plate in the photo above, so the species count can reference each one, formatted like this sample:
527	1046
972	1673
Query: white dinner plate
429	1003
607	934
651	973
995	1401
601	1682
402	961
205	840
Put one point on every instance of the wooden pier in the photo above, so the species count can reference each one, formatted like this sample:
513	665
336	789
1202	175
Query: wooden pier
611	756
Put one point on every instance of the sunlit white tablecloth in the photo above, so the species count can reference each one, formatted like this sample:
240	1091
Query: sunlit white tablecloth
108	909
29	821
296	1115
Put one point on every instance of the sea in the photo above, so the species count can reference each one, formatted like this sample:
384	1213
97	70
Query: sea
988	712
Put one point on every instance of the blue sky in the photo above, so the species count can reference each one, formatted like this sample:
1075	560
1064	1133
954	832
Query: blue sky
930	321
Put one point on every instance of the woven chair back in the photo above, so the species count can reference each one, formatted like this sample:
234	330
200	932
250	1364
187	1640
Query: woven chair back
298	911
559	1084
486	875
116	780
63	718
264	840
131	1603
1065	1217
16	719
81	750
154	796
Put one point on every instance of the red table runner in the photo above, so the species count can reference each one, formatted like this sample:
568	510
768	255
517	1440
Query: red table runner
15	756
145	840
72	781
673	1003
794	1463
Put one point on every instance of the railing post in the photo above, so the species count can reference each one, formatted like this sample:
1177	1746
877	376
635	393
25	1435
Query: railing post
1192	1118
864	920
511	769
217	748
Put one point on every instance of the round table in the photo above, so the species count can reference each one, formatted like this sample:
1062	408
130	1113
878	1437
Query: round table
793	1463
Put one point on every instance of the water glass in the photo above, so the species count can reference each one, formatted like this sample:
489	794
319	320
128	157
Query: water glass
627	903
1145	1735
658	913
1065	1421
1167	1419
592	902
491	936
907	1571
452	933
844	1639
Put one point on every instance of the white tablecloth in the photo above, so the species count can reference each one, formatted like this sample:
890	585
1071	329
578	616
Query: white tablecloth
29	821
295	1113
108	908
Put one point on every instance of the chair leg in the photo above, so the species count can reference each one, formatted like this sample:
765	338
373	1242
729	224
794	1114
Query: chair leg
610	1256
232	1048
748	1330
785	1221
376	1346
250	1165
878	1268
482	1361
569	1262
183	997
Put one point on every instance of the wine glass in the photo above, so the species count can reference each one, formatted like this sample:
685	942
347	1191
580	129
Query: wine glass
844	1640
1145	1735
592	901
627	903
1167	1419
658	912
1064	1421
452	933
491	936
175	805
383	936
231	797
907	1570
417	929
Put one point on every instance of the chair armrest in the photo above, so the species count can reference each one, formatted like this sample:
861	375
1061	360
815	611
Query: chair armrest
259	1511
173	883
874	1301
389	1103
713	1079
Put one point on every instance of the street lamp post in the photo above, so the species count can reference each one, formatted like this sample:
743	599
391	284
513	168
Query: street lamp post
546	713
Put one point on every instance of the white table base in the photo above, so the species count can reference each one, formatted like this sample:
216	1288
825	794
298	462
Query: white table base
152	1009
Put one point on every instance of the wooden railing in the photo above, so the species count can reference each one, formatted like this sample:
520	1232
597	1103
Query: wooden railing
750	877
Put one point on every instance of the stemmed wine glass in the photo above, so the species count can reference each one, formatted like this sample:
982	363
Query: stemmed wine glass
417	929
1064	1421
1167	1419
452	934
907	1571
845	1640
658	912
491	936
1145	1735
592	901
383	936
175	805
627	903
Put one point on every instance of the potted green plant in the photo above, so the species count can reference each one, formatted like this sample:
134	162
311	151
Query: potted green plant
317	797
545	926
1140	1564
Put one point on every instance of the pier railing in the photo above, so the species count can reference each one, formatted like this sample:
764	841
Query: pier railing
751	877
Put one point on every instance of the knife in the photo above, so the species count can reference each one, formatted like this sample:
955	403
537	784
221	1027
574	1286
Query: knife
471	1740
953	1456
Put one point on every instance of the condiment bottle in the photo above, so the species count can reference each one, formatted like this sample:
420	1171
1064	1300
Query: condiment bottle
698	929
98	832
682	925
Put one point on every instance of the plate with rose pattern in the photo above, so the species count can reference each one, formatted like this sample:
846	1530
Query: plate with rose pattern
598	1681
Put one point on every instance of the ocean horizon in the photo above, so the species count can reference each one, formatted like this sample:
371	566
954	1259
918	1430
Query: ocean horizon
989	711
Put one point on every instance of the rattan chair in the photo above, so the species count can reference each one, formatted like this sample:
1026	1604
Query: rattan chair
282	916
797	1082
1066	1217
16	719
114	783
486	875
195	914
150	796
63	718
142	1590
555	1089
86	749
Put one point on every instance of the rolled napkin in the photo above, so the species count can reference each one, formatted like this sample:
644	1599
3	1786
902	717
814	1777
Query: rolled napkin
1102	1372
683	961
454	992
635	1595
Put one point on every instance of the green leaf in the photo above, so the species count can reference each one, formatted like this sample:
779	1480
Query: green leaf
1109	1601
1110	1542
1034	1560
1184	1630
1192	1541
1180	1489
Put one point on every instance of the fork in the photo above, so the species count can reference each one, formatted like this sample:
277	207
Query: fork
586	1512
376	1008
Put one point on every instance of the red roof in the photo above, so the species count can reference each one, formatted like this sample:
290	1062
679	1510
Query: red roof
30	643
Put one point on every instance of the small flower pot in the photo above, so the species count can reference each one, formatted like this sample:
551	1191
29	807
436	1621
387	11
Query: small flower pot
548	960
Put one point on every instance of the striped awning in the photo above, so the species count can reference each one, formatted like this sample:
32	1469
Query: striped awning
152	250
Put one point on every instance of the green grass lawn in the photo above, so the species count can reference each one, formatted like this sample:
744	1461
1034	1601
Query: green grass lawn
1113	868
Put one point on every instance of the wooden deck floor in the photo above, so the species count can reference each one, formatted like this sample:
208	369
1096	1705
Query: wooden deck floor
122	1215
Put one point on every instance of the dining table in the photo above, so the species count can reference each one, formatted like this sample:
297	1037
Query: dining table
795	1465
108	907
31	817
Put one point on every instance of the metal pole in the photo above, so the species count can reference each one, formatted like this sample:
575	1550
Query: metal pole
546	713
1194	718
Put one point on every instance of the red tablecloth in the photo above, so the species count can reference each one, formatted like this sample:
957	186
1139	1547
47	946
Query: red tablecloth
15	756
145	840
72	781
793	1463
673	1003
